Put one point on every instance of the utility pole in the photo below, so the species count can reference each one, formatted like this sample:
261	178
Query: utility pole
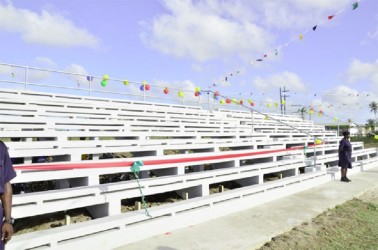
283	96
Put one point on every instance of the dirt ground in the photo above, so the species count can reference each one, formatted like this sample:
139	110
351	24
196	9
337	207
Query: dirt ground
352	225
46	221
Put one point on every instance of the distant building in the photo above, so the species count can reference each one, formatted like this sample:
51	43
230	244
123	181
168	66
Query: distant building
353	128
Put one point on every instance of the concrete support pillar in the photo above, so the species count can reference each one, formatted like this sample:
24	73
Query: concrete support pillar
75	157
180	170
261	178
185	196
27	160
138	205
205	190
67	219
236	163
61	138
114	207
93	179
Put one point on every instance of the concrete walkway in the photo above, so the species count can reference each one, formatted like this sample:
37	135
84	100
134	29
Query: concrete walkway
251	228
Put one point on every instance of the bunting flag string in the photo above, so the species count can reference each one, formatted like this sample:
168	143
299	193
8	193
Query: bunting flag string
144	86
275	52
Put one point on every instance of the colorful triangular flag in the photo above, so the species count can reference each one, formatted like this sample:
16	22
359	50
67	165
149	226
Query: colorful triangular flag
314	28
330	17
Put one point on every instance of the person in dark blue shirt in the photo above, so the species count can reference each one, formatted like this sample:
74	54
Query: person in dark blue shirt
7	173
345	156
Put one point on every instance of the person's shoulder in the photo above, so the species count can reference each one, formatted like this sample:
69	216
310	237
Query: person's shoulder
3	146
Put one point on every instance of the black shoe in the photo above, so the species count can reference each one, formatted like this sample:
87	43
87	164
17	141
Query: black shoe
344	179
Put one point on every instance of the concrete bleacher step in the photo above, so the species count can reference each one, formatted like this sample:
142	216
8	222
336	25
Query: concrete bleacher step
95	233
31	204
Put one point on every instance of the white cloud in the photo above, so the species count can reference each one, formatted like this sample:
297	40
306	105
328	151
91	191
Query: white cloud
298	13
359	70
371	36
272	83
77	69
374	34
47	62
342	96
36	76
206	30
197	67
80	79
348	103
47	28
203	31
316	5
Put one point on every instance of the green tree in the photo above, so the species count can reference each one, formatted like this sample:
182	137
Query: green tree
374	108
371	124
367	127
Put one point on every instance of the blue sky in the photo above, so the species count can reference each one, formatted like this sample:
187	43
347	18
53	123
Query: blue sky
184	44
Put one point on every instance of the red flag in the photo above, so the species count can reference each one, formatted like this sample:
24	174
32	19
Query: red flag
330	17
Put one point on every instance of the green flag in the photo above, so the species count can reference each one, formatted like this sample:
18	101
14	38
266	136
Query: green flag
355	6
